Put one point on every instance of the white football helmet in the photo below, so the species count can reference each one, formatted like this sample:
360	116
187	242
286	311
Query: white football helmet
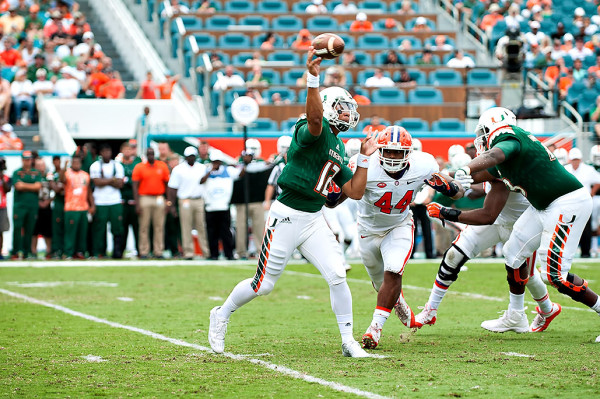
562	155
595	155
253	147
283	144
489	122
352	147
398	139
460	160
454	150
335	101
417	145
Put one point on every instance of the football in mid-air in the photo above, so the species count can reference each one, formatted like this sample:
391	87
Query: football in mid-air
328	45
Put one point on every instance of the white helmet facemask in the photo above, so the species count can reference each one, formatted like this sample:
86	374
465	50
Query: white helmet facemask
337	101
490	121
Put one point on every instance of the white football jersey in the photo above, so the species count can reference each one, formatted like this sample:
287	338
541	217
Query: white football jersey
515	205
386	201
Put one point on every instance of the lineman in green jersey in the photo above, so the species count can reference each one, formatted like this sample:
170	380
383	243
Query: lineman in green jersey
27	182
130	217
552	225
315	158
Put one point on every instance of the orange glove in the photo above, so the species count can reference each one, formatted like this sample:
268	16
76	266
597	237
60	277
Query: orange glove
434	209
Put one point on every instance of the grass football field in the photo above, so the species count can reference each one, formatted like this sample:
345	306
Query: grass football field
140	329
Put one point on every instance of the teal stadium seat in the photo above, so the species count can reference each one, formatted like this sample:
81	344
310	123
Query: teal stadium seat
372	6
448	125
273	76
396	5
203	41
382	56
239	6
291	76
482	77
589	61
331	4
365	74
302	96
272	7
286	93
587	101
234	40
363	58
287	23
373	41
411	24
322	23
415	42
258	39
419	76
288	56
367	121
575	92
349	42
445	77
388	95
413	125
8	73
214	3
264	124
299	7
568	61
413	59
219	22
430	41
425	96
288	124
255	20
189	23
241	58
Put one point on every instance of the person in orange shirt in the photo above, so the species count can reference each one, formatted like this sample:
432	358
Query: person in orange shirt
553	72
78	202
359	98
374	125
150	180
8	139
96	79
166	89
303	40
147	88
10	56
114	88
564	83
491	19
361	24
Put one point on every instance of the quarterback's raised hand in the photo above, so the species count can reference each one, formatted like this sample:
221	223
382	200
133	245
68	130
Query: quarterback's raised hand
313	65
370	144
442	185
435	210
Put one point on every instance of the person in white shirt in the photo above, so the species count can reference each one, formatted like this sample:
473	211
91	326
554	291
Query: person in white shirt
175	8
42	87
186	190
514	18
22	97
535	36
460	61
86	47
579	52
219	187
229	79
379	80
67	86
316	7
345	7
107	176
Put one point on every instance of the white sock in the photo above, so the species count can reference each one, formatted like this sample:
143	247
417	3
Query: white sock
341	303
437	294
596	307
241	295
380	315
517	302
539	291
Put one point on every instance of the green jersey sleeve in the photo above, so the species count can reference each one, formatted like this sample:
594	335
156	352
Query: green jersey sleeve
510	147
303	136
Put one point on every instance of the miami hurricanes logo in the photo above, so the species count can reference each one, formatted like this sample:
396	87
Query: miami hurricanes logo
517	189
495	121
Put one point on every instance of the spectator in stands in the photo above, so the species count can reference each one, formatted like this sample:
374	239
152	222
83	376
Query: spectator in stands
361	24
148	88
459	60
149	186
206	7
33	20
268	42
88	48
114	88
8	138
359	98
568	42
257	78
95	80
560	32
491	19
557	51
276	99
216	60
405	45
426	58
78	27
43	225
27	182
5	99
594	70
129	160
405	80
578	15
349	59
42	87
28	51
421	25
391	59
379	80
218	183
545	60
22	92
186	190
335	76
39	62
374	125
579	52
166	88
303	40
107	176
591	25
66	53
12	23
564	82
514	17
553	72
391	25
176	8
228	80
532	55
594	42
5	187
441	44
67	86
406	8
316	7
10	56
257	59
54	25
536	13
255	94
579	73
345	7
595	117
535	36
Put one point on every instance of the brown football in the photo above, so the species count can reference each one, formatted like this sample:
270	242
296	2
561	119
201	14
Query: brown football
328	46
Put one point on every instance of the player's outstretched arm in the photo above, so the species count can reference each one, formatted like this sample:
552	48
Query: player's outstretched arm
445	185
355	187
488	159
314	106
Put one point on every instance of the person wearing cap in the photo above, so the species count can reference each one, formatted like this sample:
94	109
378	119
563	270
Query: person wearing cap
176	8
150	180
361	24
345	7
39	62
316	7
12	22
8	139
88	46
514	17
421	25
490	20
22	92
42	87
129	160
186	191
79	26
303	40
27	182
67	86
535	35
54	25
5	187
165	89
79	202
32	19
335	75
218	186
107	176
589	177
568	42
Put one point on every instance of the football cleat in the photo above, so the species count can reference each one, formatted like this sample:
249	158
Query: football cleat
405	313
542	320
371	338
598	339
426	316
353	349
511	320
217	331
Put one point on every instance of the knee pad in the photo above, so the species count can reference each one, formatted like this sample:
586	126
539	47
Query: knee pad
517	277
572	288
454	259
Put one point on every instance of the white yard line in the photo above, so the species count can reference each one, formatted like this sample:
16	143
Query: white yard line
271	366
93	359
515	354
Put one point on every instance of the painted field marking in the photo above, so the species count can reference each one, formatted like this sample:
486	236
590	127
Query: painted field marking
271	366
515	354
215	298
305	297
93	359
125	299
51	284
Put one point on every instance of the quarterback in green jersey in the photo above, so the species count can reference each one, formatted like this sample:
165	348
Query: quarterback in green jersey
553	223
314	159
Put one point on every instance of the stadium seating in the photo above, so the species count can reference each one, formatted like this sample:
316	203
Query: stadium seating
255	20
258	39
373	41
219	22
482	77
372	6
239	6
271	75
575	92
272	7
321	23
263	124
448	125
415	42
587	101
413	124
288	124
416	58
363	58
445	77
286	93
287	23
425	95
288	56
388	95
234	40
290	77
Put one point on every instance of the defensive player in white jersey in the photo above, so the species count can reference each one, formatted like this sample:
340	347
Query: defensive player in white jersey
486	227
385	224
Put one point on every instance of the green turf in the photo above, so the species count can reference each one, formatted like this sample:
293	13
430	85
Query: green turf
42	349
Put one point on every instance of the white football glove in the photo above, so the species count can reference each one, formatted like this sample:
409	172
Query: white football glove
463	176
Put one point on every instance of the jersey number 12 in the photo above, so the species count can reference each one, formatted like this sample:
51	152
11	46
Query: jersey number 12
327	174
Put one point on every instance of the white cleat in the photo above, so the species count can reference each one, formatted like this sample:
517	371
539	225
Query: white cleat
511	320
371	338
217	331
405	313
353	349
542	320
426	316
598	339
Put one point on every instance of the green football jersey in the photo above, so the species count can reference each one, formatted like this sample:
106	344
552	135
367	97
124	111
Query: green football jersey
310	168
534	171
26	198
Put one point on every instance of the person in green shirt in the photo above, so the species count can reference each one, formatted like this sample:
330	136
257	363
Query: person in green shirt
27	182
58	210
130	217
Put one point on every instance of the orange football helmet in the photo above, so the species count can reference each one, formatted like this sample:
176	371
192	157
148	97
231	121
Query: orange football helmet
395	138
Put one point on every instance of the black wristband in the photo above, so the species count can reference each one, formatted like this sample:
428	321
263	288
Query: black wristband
450	214
454	189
